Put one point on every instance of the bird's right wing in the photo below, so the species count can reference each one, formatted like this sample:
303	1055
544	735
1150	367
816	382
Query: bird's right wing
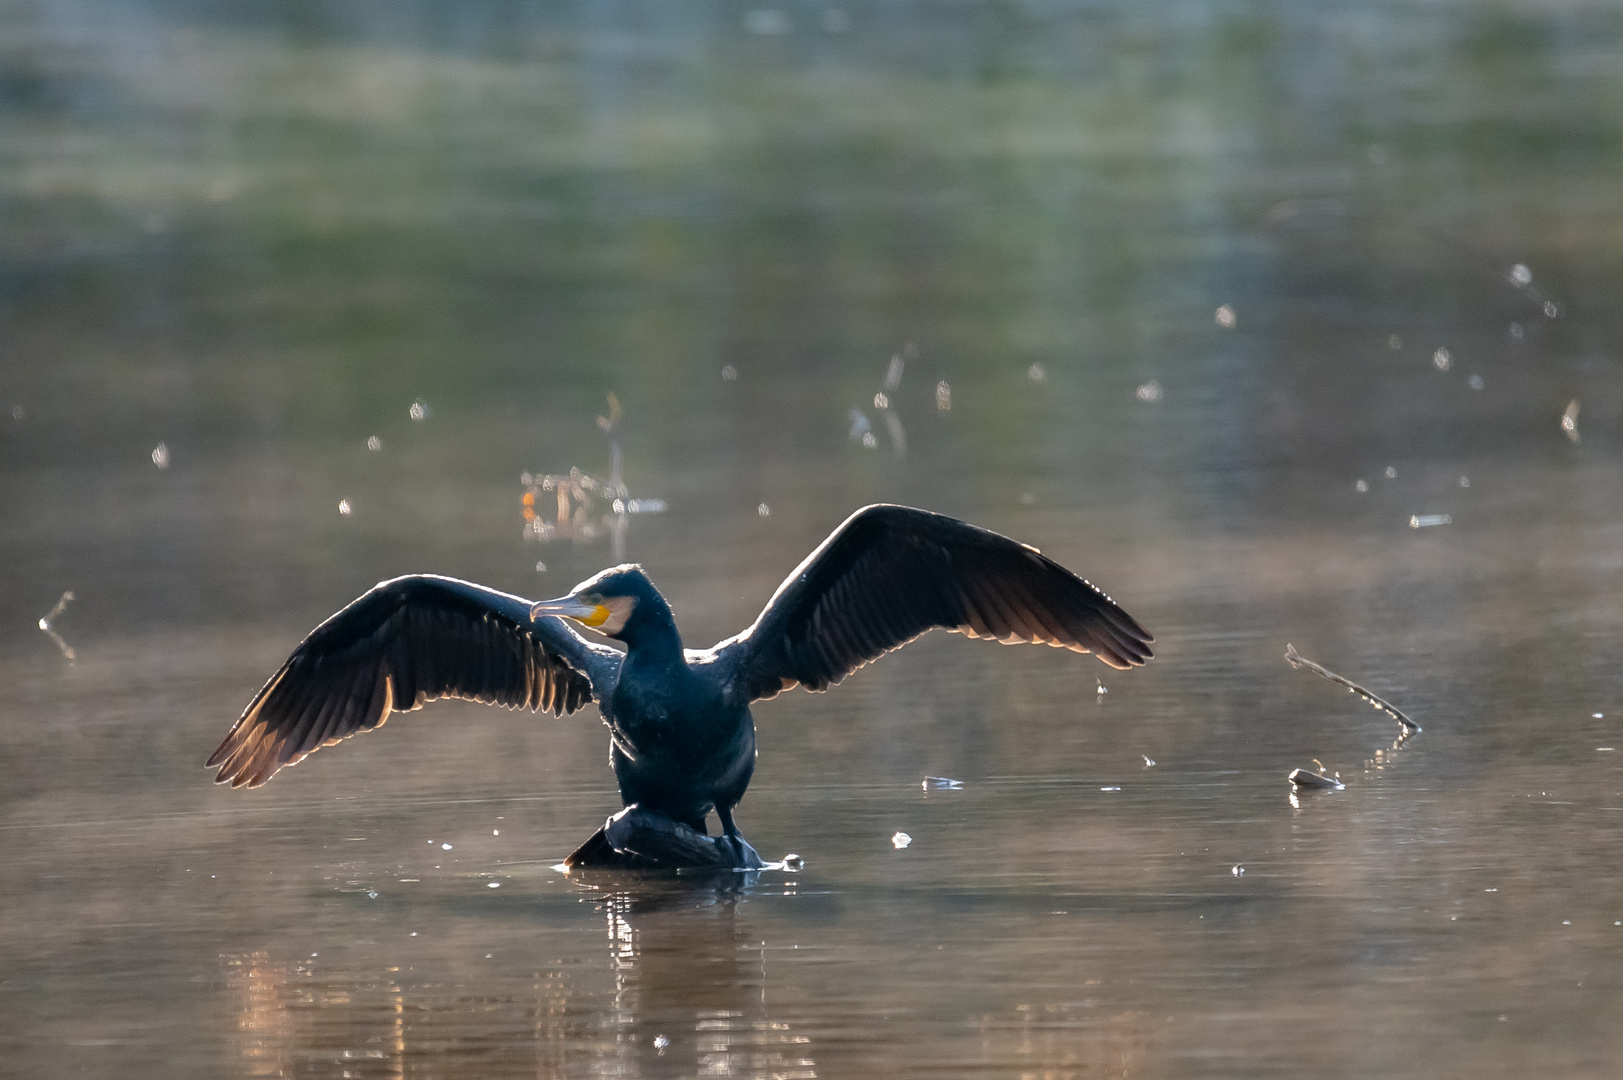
889	573
403	643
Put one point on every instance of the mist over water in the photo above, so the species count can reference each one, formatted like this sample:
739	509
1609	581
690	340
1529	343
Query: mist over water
1281	324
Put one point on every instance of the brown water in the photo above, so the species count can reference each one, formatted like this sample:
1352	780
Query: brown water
260	240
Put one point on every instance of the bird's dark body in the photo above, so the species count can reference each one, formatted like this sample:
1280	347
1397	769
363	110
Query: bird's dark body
679	744
682	739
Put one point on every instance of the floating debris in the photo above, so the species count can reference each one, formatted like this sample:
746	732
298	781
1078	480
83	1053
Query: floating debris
160	456
1315	781
1150	391
860	428
45	625
943	783
1297	660
577	495
1569	422
900	840
1225	317
1424	521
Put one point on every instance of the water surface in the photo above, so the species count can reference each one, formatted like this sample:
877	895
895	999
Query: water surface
260	240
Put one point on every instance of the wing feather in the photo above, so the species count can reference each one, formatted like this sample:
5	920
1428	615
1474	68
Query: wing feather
890	573
404	643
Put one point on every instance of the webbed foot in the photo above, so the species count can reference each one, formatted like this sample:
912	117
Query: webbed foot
738	850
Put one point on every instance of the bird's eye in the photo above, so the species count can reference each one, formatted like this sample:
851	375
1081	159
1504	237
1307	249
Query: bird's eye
594	598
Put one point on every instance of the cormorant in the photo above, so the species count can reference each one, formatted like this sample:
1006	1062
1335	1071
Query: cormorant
682	741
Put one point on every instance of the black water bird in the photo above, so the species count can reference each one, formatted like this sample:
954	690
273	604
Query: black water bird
682	740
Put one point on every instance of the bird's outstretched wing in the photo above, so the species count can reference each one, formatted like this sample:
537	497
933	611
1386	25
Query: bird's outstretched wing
889	573
403	643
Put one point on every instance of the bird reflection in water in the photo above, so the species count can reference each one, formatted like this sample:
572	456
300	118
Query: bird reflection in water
578	496
684	991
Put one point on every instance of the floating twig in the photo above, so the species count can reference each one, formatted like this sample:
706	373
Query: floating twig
45	625
1297	660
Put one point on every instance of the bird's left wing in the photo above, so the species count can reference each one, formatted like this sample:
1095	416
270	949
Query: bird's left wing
405	642
889	573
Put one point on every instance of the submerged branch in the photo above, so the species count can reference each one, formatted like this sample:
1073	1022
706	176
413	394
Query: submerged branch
1297	660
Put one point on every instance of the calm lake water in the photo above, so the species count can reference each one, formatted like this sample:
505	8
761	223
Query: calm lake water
1227	301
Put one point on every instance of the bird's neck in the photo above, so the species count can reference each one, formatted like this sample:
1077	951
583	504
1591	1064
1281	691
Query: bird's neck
652	640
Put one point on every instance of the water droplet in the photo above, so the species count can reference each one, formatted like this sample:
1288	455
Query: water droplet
1516	331
495	884
661	1042
869	440
1442	359
1521	276
1150	391
1036	373
1465	481
495	832
445	847
943	396
880	401
17	410
767	22
1391	473
1551	309
1225	317
160	456
1149	762
540	567
729	374
1394	343
900	840
1475	382
793	863
419	410
1110	789
764	510
1362	485
374	443
1237	870
372	895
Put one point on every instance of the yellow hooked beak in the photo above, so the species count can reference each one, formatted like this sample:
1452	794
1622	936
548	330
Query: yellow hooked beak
570	607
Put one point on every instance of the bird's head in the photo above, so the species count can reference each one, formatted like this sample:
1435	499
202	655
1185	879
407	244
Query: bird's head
607	602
